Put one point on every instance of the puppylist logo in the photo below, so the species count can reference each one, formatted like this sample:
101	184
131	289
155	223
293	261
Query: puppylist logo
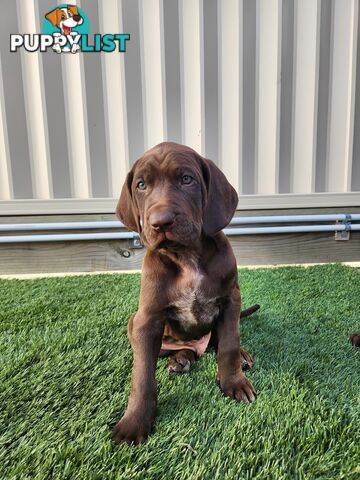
67	29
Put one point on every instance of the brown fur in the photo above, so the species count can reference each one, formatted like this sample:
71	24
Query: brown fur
189	277
355	339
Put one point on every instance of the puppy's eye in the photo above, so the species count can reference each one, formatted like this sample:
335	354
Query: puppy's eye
141	185
186	179
63	17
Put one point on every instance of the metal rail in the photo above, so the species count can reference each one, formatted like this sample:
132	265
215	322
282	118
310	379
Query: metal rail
63	237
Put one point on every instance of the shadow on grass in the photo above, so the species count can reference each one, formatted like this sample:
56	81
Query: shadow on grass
317	358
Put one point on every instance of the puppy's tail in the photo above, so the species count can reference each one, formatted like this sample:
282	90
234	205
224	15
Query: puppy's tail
249	311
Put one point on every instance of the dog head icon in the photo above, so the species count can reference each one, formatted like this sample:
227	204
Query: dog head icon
65	18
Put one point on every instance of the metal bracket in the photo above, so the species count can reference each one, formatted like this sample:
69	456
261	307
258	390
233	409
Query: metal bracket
135	243
344	234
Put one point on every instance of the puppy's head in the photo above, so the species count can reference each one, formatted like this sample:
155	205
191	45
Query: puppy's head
172	195
65	18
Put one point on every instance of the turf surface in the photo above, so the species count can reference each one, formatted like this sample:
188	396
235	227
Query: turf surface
65	377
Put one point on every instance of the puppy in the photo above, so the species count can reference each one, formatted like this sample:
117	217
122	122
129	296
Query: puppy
179	202
65	19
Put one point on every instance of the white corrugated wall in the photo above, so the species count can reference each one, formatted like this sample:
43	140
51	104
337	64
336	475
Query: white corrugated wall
268	89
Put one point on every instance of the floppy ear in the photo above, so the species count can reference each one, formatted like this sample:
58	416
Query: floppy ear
126	210
221	201
73	9
52	16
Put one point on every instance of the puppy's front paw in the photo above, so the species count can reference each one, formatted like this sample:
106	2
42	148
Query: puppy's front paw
131	429
238	387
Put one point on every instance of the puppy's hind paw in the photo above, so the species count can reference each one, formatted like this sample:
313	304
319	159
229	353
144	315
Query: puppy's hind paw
247	360
181	361
181	365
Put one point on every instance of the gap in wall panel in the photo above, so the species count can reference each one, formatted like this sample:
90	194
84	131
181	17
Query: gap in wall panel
134	97
286	95
323	96
172	70
56	117
95	108
249	91
211	80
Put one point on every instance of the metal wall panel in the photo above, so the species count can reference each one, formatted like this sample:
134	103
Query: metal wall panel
269	89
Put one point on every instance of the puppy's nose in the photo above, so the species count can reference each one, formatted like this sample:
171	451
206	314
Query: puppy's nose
162	221
77	18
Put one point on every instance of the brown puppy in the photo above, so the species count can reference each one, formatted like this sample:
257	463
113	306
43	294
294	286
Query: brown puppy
179	202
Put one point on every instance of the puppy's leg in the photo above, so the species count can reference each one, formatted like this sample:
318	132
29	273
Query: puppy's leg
181	361
247	360
232	380
145	333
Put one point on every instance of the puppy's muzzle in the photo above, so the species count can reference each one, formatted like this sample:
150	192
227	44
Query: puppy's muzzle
162	220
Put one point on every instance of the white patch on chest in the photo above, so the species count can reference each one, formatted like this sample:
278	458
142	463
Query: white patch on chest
191	305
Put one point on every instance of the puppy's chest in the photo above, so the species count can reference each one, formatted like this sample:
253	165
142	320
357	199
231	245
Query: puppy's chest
193	304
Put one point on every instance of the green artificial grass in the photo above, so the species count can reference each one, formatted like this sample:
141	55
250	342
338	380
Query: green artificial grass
65	379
